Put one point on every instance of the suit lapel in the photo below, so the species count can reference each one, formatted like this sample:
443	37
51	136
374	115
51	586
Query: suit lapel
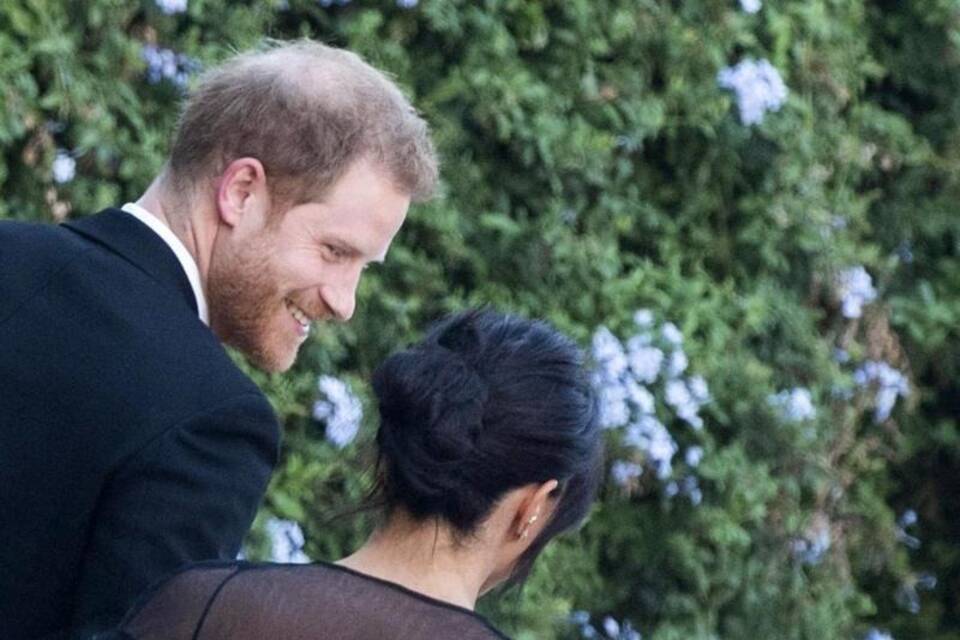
134	241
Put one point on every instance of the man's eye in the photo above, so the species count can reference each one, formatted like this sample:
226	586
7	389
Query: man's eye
334	253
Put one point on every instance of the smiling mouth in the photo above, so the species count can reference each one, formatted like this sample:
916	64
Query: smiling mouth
298	314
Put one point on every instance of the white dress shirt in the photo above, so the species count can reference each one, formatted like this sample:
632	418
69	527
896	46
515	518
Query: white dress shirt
186	260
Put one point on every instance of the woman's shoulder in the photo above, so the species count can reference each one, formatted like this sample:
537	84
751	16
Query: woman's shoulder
284	598
182	599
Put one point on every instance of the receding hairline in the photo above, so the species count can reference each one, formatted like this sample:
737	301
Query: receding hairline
303	64
297	78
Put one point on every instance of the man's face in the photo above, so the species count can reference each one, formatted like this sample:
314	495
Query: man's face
267	282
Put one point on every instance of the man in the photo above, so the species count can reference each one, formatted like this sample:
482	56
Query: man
129	442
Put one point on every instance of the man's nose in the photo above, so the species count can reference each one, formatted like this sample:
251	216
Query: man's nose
341	298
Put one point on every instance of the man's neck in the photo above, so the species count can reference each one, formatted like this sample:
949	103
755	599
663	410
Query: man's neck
184	225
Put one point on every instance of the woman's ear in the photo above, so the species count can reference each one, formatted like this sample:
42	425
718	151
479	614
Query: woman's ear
535	510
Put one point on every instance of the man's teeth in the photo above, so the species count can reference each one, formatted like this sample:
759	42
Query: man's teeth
298	314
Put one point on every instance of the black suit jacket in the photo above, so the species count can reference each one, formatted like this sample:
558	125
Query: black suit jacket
129	442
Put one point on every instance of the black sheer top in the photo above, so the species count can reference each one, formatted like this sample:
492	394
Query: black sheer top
320	601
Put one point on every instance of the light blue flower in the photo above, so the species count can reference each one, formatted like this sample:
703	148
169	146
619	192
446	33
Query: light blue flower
758	88
64	167
678	363
813	547
907	597
854	288
890	385
677	394
643	318
649	436
171	7
611	627
166	64
339	409
877	634
672	334
690	487
926	581
908	593
286	541
908	518
679	397
641	398
614	410
609	354
751	6
645	361
699	389
795	405
407	4
696	496
580	617
671	489
693	456
624	472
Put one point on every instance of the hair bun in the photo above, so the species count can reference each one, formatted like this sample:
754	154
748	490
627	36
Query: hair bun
432	402
484	404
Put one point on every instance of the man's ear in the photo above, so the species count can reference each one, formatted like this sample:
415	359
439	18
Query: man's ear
242	189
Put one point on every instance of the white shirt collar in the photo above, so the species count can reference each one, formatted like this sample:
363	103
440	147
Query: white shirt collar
186	260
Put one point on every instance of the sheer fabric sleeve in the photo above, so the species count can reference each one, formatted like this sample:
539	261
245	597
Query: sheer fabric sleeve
246	601
177	608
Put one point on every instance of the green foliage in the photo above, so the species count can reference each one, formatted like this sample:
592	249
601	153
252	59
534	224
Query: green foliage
592	166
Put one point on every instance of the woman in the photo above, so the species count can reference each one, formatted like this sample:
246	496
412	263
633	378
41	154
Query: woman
488	448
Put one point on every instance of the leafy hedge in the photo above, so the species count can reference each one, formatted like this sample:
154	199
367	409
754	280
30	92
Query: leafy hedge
772	186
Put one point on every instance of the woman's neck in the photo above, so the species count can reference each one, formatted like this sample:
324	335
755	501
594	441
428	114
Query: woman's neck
423	557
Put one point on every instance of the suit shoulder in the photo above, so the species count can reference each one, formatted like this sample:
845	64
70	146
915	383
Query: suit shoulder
30	254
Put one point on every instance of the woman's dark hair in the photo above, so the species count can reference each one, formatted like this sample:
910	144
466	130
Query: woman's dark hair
485	404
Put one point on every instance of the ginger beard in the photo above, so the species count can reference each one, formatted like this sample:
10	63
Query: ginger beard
248	309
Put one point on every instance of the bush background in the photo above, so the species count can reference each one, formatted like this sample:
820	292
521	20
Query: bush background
592	167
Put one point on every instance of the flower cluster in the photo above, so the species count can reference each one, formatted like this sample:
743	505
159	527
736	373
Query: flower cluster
171	7
877	634
611	628
751	6
64	167
623	377
811	548
795	405
904	522
286	541
687	486
908	593
758	87
854	289
166	64
890	385
339	409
